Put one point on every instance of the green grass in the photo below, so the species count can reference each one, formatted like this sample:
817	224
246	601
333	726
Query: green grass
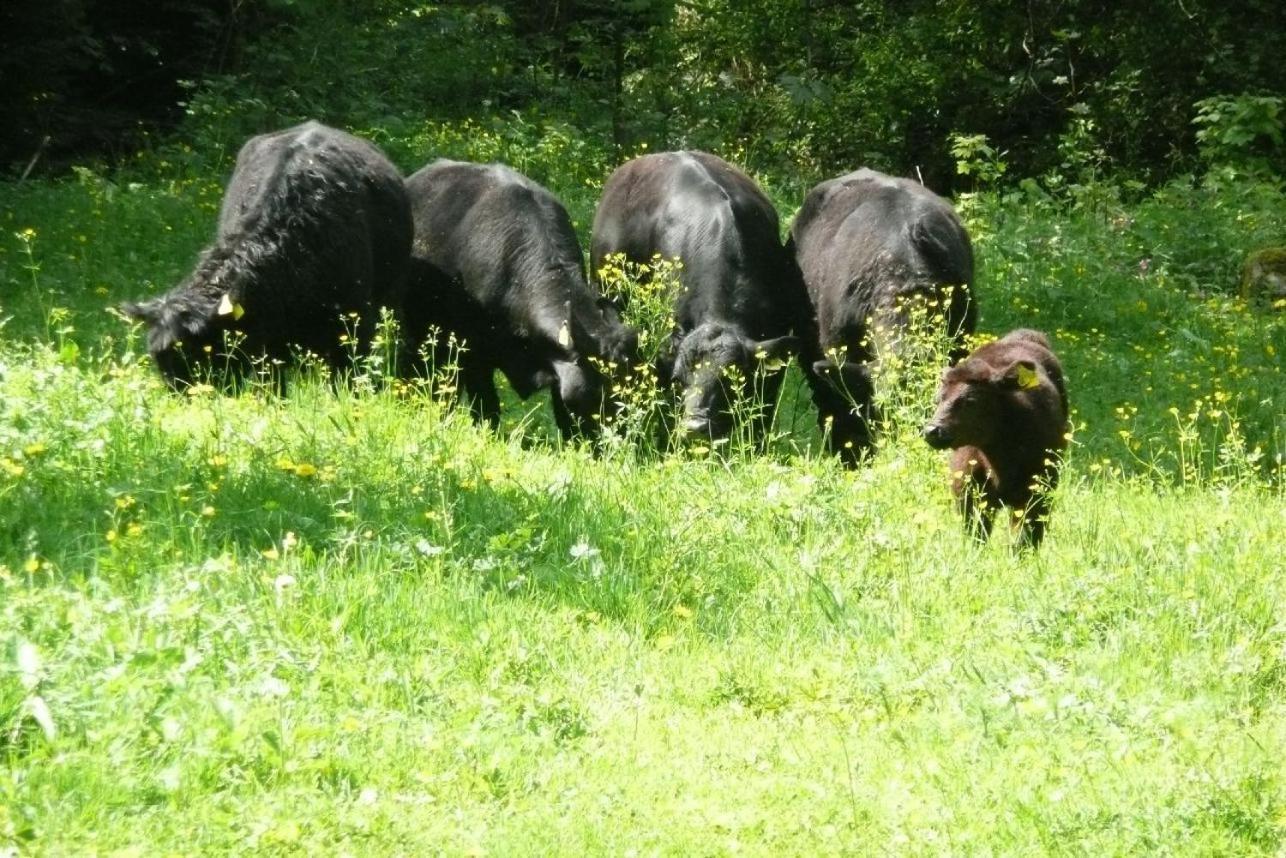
351	622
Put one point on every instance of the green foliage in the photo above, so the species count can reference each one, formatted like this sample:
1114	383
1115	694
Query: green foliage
1080	177
910	359
642	405
977	158
1263	278
1242	131
821	88
94	79
548	151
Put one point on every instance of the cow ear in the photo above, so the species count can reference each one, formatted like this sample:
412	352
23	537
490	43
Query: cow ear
851	377
665	367
774	353
1021	375
614	304
147	312
668	358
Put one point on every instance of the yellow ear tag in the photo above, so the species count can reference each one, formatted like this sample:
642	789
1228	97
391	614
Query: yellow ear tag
228	307
1027	379
564	336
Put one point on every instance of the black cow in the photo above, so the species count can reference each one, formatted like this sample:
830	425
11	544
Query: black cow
497	263
870	247
315	229
741	296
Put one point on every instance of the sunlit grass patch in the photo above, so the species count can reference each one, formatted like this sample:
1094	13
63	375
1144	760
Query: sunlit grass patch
348	620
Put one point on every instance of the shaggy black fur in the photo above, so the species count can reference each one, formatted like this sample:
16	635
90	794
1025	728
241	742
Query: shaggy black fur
496	262
741	296
865	243
315	226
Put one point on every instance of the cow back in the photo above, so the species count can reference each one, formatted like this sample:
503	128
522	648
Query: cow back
865	239
327	221
700	209
507	249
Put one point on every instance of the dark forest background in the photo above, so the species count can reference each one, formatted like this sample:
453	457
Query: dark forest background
1044	87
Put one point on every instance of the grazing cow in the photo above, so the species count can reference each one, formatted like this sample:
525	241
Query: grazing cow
315	229
496	262
1004	410
740	294
871	248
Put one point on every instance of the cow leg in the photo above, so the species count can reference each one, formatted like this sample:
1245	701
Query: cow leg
846	426
845	412
976	506
568	426
978	513
479	383
850	438
1031	524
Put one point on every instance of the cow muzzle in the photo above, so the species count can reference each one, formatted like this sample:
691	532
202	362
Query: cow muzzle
697	424
936	436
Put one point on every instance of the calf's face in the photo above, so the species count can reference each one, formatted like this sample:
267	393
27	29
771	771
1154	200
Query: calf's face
971	402
716	364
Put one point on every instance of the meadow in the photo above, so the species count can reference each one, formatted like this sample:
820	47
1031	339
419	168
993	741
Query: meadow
348	621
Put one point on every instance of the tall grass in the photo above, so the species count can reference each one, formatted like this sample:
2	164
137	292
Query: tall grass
350	621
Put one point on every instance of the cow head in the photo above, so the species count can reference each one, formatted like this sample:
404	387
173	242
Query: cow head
618	343
594	349
972	398
185	336
715	364
581	391
851	378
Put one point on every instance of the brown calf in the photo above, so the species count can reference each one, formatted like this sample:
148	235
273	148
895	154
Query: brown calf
1003	410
